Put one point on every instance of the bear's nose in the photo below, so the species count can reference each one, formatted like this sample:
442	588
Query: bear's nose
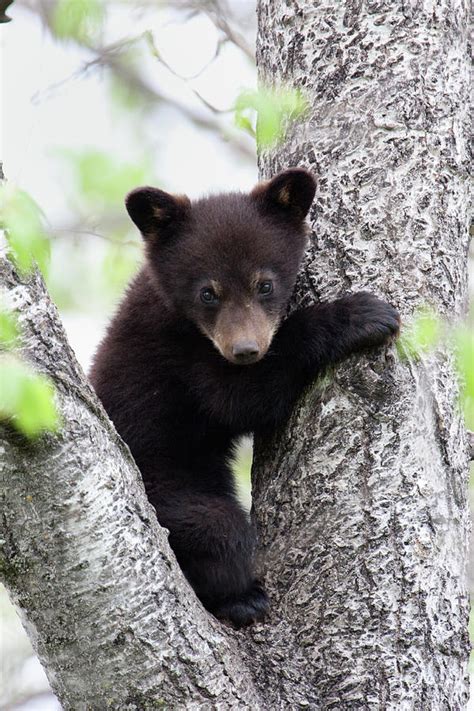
245	350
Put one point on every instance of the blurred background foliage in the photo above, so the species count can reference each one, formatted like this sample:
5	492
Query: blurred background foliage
428	332
112	94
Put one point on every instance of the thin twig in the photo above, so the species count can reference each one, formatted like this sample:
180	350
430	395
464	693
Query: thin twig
150	40
73	231
219	17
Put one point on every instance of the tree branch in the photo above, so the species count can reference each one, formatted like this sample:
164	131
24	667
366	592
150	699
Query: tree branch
104	602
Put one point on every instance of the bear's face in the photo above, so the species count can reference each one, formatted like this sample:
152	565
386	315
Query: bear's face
228	262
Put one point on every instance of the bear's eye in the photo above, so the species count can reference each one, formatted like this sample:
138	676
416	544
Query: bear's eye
209	296
265	288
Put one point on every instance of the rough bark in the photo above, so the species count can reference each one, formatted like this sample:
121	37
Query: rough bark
362	501
101	596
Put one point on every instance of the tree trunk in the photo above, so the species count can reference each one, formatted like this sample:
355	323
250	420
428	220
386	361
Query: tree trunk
361	502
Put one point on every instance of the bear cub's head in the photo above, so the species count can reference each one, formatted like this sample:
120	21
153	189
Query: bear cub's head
228	262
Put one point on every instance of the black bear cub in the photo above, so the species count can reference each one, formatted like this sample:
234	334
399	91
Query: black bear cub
200	353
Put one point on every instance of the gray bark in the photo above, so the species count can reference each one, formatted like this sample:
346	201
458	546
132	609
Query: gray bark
101	596
362	501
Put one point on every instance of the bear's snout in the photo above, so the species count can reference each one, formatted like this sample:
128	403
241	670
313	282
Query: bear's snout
245	351
243	334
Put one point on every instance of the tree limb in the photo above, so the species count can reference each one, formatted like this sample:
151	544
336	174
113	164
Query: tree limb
105	604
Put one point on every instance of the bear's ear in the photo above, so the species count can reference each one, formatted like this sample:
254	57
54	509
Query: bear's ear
288	194
154	211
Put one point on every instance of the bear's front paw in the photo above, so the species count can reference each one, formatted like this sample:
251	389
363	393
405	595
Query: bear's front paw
371	321
251	606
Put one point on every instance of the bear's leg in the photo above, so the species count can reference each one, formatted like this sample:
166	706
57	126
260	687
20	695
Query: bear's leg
213	541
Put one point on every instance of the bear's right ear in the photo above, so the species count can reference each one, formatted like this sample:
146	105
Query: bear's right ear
288	195
154	211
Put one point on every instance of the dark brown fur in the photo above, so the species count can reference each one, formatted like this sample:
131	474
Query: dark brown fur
182	379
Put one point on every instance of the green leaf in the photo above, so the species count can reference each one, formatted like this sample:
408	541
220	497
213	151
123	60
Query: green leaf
26	398
463	338
23	220
80	20
425	333
241	466
9	331
129	97
421	335
244	123
102	180
268	113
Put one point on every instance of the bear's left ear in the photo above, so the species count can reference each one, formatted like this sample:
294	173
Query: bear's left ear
154	211
288	194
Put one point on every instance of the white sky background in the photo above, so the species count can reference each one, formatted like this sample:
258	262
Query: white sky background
37	120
